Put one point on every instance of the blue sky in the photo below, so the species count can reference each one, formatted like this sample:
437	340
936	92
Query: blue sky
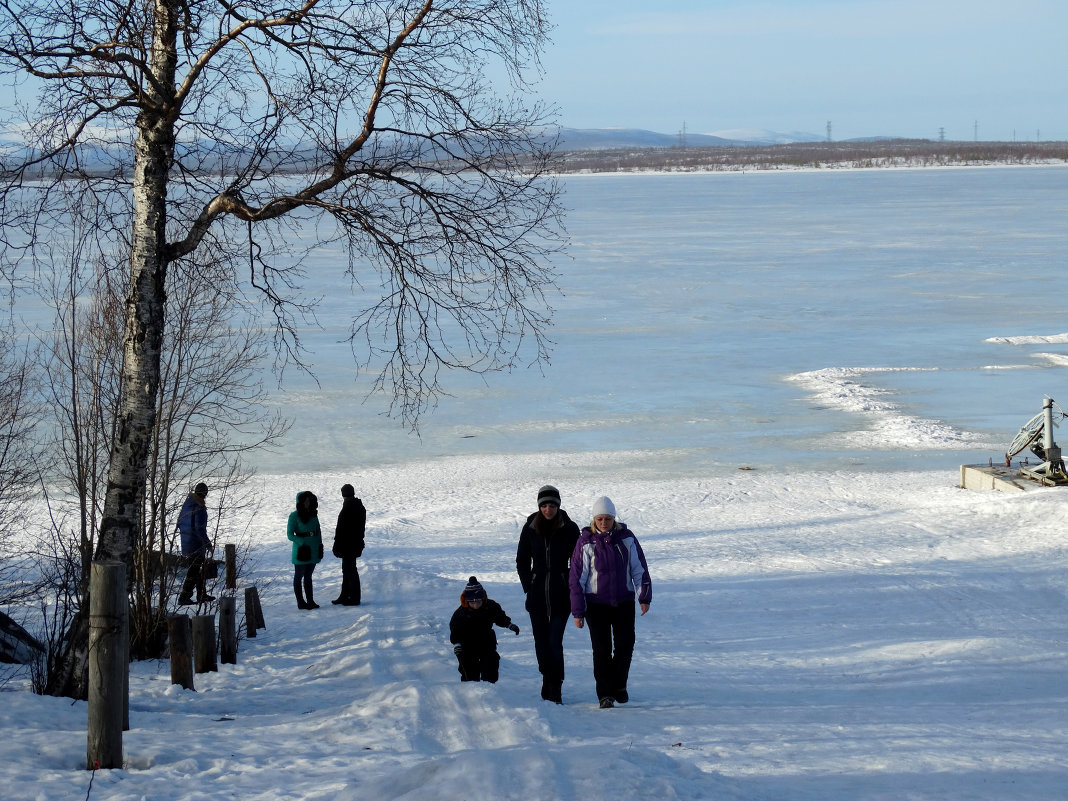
869	67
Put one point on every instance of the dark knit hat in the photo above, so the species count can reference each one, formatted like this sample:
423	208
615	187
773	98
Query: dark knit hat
348	491
200	489
548	494
473	591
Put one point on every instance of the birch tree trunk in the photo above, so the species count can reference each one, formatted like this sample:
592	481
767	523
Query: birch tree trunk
145	306
145	316
143	340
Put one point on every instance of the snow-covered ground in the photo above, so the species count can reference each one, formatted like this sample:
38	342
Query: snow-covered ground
815	635
838	623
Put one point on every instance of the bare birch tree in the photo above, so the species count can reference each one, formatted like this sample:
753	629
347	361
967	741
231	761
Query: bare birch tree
211	412
20	465
242	128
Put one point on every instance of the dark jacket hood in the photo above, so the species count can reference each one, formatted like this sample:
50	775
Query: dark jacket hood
308	514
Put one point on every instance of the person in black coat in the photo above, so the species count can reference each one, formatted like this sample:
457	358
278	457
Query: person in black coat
471	631
543	561
348	545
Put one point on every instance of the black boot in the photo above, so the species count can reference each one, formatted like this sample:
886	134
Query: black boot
202	590
552	691
300	598
310	603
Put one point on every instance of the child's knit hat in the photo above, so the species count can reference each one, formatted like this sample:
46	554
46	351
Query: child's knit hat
474	591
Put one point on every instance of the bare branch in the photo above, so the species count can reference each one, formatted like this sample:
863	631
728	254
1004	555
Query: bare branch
257	134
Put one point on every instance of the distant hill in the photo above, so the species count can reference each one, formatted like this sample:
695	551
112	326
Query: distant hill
102	157
592	150
612	138
762	136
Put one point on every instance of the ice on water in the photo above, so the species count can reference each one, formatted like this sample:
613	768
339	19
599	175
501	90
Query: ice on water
803	320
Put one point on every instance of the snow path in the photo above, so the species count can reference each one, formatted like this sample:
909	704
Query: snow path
812	636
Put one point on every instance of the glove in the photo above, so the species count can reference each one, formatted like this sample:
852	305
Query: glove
457	649
514	628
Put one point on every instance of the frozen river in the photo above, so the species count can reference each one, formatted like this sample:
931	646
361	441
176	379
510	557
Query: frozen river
797	320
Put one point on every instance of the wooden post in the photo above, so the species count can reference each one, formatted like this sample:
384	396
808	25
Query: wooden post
126	665
180	639
231	566
107	664
228	629
204	655
259	609
250	611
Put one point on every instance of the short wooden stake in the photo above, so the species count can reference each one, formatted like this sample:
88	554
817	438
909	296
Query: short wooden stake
230	554
205	659
259	609
228	630
107	664
126	666
180	640
250	611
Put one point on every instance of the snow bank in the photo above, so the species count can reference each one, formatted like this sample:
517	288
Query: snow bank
889	428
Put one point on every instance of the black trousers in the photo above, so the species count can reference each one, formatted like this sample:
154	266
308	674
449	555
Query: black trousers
302	575
549	644
478	663
350	581
612	637
194	576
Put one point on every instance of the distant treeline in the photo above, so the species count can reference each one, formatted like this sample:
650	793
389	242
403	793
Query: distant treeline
810	155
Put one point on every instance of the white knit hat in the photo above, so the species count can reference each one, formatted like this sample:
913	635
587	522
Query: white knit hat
604	506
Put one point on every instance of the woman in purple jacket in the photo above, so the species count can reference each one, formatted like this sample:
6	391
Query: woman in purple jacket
607	568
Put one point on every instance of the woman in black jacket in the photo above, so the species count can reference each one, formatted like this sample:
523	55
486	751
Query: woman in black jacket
543	561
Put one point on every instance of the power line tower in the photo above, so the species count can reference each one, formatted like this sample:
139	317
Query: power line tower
682	135
941	134
829	131
975	129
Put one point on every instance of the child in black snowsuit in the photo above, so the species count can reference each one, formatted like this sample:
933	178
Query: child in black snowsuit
471	630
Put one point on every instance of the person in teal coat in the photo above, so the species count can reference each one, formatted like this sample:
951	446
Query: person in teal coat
303	531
